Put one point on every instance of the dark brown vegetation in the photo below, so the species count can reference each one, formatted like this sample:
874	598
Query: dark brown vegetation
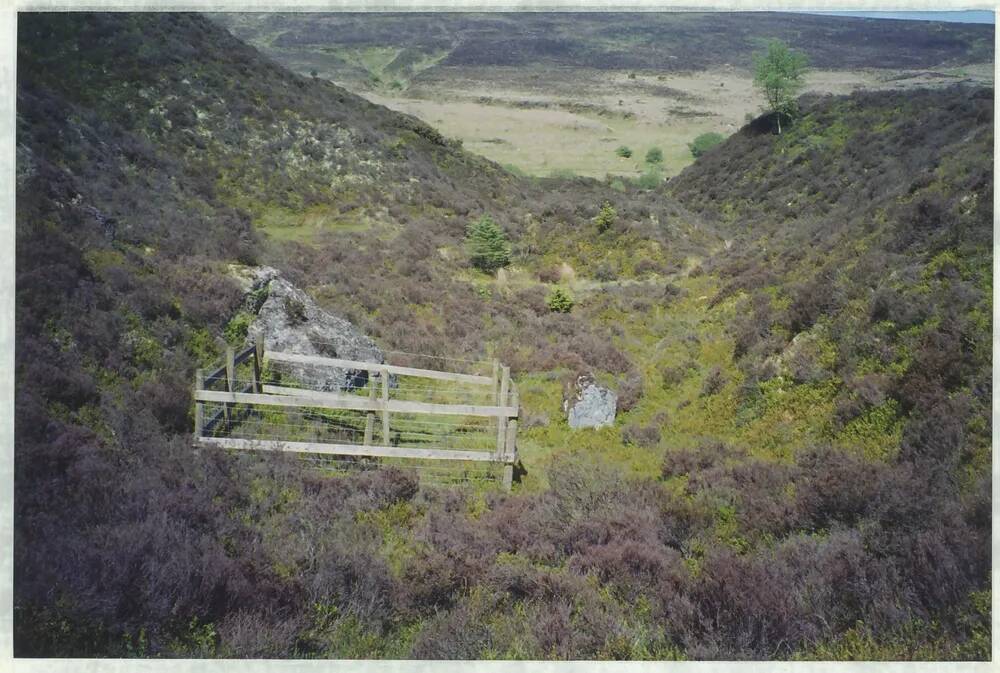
129	543
662	42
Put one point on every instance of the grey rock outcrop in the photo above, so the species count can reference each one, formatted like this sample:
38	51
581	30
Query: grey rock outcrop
292	322
252	278
588	405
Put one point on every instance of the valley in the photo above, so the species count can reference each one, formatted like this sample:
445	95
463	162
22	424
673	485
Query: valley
565	108
797	328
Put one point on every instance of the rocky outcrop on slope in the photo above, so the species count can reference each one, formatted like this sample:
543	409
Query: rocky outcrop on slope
588	405
290	321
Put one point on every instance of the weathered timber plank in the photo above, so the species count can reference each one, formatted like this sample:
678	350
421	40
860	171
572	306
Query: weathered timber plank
244	355
408	407
502	399
370	416
199	407
258	360
215	375
357	403
230	382
510	449
508	477
384	374
377	367
307	392
325	400
348	449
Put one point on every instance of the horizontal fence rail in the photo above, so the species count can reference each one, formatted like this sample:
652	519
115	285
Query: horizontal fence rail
276	401
376	367
350	449
323	400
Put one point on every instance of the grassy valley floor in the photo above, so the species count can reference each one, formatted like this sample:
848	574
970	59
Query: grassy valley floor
572	121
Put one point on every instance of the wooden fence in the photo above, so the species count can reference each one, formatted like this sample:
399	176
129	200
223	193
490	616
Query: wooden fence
237	406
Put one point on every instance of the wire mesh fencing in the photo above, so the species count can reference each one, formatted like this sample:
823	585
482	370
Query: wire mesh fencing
342	415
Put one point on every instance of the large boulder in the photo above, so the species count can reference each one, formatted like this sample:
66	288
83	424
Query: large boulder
290	321
588	405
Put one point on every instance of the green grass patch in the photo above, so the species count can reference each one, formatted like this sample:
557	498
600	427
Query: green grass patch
284	224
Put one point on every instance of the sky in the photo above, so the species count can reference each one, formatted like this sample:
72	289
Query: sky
964	16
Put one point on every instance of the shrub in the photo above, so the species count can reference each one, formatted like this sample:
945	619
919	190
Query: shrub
488	246
812	300
605	272
672	375
651	179
641	435
837	487
889	304
559	301
704	143
646	265
701	457
606	218
753	324
630	391
295	311
713	382
671	292
624	151
654	156
168	400
237	329
550	274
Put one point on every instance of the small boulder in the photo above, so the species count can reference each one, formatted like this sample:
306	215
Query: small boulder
588	405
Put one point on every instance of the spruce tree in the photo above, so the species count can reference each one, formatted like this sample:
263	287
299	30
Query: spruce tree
606	218
488	246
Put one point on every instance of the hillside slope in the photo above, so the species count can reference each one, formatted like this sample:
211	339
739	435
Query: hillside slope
665	41
556	92
800	467
153	150
871	219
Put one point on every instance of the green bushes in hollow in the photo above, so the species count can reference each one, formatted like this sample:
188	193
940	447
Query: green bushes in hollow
651	179
236	330
704	143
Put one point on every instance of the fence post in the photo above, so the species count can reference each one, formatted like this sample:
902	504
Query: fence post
510	448
370	420
385	407
199	407
510	454
258	361
502	417
512	424
496	382
230	383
